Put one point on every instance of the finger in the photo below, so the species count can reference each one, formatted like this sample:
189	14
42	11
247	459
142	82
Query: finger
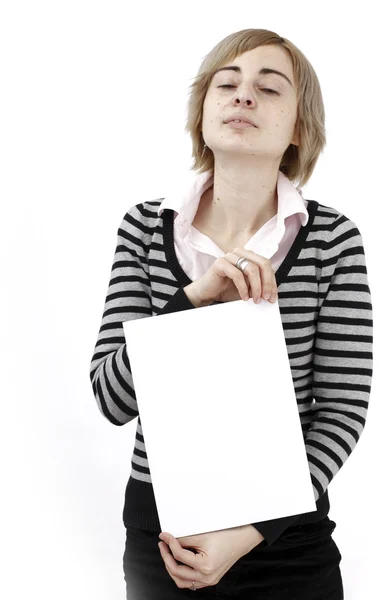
184	583
263	276
180	582
178	571
183	555
235	275
253	273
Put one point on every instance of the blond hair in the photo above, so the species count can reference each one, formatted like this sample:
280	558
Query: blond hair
298	162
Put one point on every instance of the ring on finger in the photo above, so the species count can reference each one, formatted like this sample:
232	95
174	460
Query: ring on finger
242	263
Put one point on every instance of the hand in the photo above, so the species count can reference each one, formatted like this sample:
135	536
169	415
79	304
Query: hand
218	551
224	282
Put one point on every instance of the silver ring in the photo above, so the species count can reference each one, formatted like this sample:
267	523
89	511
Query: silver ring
192	587
242	263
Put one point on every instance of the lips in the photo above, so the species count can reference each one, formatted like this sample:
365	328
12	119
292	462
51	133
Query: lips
238	118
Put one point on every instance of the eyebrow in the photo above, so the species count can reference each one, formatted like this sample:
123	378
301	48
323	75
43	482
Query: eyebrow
264	71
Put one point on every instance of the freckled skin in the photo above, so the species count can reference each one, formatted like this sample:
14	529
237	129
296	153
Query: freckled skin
246	161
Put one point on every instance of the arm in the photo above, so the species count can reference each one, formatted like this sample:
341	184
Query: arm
184	299
342	364
128	297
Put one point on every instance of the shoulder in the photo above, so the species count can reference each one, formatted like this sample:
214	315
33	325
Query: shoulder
143	211
141	219
339	229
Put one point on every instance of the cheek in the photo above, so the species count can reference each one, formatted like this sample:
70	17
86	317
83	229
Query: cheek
212	118
289	116
286	120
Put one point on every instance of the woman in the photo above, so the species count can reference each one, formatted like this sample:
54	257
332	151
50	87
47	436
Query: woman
239	230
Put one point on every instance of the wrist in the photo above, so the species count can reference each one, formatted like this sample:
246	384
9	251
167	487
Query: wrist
252	537
193	296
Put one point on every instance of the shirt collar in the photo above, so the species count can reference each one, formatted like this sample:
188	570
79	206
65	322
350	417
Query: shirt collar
184	195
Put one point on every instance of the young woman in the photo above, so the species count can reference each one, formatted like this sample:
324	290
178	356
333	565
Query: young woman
240	229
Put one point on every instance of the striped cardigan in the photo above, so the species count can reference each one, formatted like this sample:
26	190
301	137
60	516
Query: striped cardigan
325	306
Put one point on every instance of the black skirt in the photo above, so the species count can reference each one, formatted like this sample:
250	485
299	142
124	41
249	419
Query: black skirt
302	564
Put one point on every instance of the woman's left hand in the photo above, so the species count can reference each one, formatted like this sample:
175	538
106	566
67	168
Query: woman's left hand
217	552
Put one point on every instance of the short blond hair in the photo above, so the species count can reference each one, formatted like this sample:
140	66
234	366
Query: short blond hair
298	162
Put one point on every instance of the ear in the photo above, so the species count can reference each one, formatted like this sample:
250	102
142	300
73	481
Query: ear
296	137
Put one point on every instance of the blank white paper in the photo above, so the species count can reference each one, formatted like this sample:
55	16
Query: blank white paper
219	416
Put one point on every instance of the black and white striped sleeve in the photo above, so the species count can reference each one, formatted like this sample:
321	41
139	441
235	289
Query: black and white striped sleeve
342	363
128	297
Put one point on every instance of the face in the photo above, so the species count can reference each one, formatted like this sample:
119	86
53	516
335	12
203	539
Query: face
268	100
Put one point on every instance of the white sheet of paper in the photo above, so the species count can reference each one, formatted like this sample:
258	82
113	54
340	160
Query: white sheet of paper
219	416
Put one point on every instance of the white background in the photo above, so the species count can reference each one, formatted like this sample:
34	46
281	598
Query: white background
93	108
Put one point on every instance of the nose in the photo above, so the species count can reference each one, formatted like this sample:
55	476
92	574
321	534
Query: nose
243	96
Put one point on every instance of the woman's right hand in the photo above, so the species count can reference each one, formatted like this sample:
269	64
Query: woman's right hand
224	282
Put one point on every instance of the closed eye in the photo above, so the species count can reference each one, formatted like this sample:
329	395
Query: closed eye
268	90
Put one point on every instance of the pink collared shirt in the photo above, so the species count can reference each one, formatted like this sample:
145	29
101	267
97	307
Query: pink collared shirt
196	252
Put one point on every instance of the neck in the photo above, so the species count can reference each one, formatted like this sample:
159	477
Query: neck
238	203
